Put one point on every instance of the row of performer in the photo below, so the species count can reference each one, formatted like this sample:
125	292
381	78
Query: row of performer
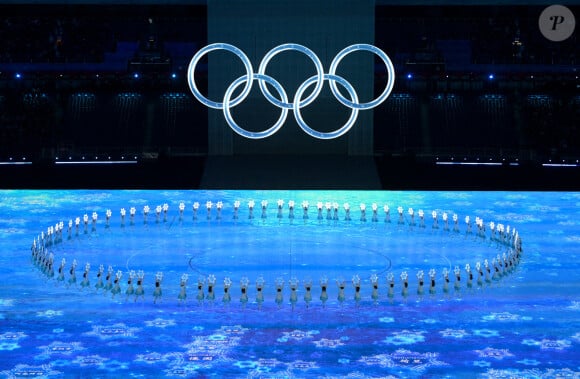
109	281
497	231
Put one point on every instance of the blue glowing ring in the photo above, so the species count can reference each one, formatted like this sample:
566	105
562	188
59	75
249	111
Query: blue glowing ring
302	49
220	46
297	103
329	135
390	70
227	104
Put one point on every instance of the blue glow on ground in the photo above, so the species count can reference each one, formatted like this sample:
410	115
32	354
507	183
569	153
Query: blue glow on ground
525	325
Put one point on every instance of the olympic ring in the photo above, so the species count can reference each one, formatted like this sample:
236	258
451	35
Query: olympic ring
337	133
200	54
234	125
319	73
297	103
390	70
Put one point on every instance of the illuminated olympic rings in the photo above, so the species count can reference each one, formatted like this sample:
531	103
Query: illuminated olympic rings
282	102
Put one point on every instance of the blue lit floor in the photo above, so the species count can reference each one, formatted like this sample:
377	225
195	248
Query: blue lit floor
526	324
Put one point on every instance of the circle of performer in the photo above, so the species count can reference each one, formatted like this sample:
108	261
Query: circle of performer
371	288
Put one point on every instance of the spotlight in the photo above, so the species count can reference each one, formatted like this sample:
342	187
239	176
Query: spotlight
173	76
409	76
490	76
18	76
136	75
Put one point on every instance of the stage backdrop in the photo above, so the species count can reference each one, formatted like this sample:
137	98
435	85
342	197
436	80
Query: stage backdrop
326	27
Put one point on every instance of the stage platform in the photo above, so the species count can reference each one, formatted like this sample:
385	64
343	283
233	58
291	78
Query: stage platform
283	172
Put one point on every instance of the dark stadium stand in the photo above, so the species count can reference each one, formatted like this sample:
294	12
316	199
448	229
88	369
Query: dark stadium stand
105	81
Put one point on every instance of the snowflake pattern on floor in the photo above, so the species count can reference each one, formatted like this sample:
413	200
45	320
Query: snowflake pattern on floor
518	326
403	358
30	371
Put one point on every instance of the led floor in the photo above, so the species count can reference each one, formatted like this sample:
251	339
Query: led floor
521	322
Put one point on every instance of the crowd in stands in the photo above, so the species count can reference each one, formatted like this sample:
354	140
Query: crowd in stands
408	122
84	34
482	35
53	40
463	123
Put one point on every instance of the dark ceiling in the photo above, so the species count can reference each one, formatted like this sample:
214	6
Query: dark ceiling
378	2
